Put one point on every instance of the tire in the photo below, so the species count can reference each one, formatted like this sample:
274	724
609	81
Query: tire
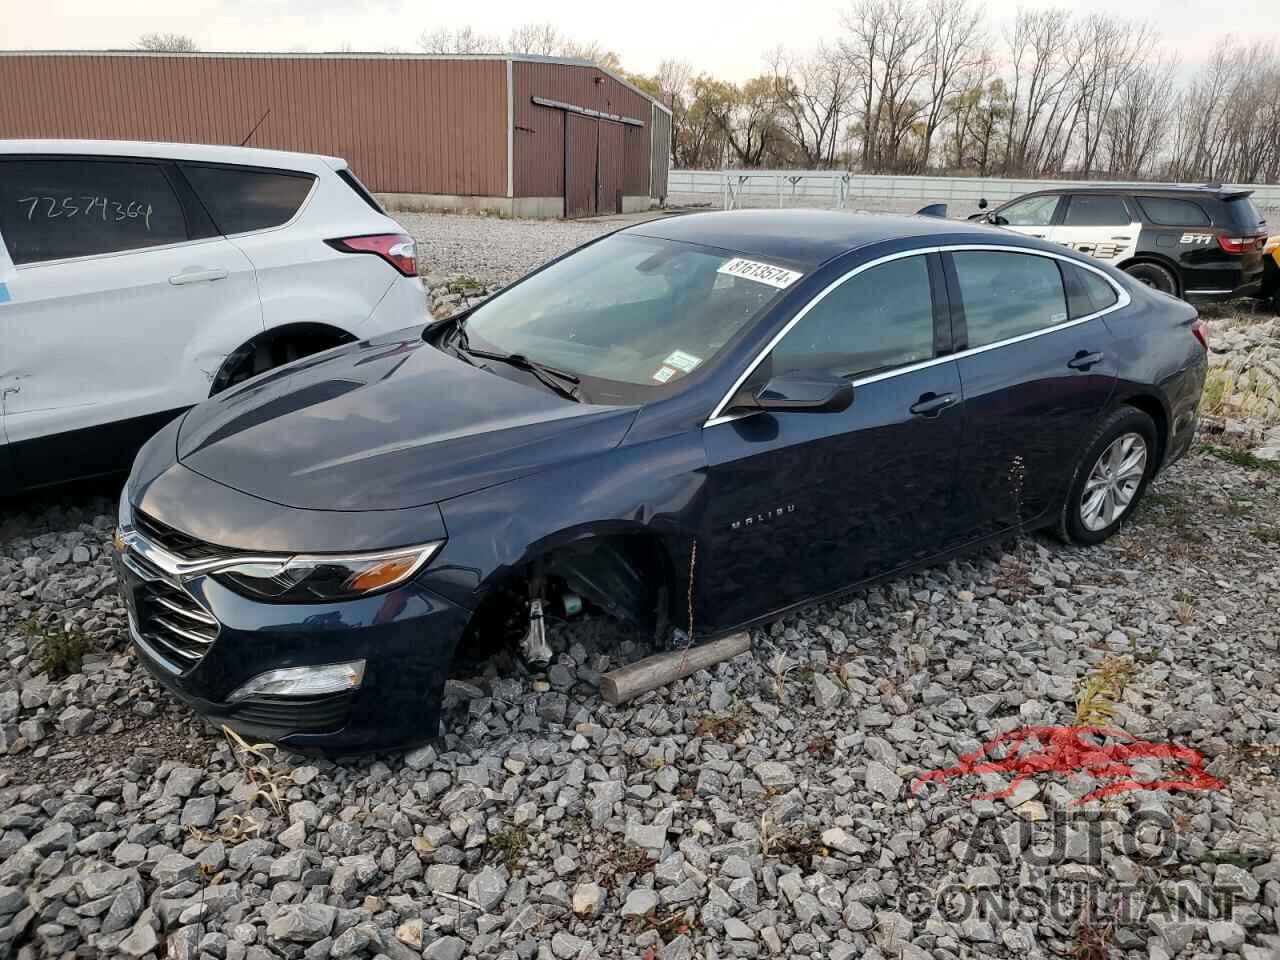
1087	520
1154	276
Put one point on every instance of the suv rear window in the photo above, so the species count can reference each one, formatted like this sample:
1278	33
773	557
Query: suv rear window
53	209
1245	216
1168	212
241	199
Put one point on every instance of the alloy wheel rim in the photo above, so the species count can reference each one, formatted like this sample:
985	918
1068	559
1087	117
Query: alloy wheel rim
1113	482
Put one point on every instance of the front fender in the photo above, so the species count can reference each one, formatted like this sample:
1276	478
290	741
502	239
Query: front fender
656	488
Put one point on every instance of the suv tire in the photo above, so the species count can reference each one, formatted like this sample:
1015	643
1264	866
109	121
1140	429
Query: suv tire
1110	477
1155	276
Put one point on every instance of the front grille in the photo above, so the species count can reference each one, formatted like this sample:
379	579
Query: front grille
175	541
296	714
177	627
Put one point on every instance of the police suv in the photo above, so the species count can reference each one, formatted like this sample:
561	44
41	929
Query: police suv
1201	243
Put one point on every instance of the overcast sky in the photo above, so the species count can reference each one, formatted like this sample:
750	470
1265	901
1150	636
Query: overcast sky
725	37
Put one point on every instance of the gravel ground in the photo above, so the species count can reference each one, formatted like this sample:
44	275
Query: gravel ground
762	809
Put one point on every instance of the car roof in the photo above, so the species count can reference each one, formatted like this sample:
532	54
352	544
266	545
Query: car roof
812	237
208	153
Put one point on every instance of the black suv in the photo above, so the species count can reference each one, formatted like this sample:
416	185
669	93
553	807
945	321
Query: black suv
1201	243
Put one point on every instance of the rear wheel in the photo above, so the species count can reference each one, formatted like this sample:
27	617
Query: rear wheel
1110	477
1154	276
267	353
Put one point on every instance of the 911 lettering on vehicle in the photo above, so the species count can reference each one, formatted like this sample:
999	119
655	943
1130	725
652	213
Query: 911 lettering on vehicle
1196	238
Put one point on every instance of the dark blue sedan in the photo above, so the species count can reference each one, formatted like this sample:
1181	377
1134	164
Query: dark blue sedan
756	410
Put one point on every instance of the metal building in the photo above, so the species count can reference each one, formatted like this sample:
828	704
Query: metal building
517	135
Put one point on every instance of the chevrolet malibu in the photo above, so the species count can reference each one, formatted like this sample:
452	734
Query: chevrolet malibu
694	425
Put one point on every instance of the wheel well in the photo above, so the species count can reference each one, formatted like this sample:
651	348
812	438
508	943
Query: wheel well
1155	410
1158	261
630	577
275	347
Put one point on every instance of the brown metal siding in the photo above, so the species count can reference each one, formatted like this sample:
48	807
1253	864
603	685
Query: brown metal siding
405	125
610	171
660	162
581	150
539	136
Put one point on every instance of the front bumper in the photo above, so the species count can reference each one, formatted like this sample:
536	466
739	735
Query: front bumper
406	636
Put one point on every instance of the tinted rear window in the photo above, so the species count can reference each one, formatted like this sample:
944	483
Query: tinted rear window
1245	215
55	209
1169	212
1087	293
1006	295
1096	211
241	199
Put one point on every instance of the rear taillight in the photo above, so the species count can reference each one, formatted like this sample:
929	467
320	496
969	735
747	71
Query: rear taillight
1242	244
1201	331
395	248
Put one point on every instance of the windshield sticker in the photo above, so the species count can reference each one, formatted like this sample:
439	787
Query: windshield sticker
664	374
4	293
779	277
684	362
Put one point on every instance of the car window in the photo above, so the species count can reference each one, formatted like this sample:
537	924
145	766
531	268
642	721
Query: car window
1245	216
1087	293
639	312
241	199
53	209
1006	295
1091	210
1174	213
1031	212
879	319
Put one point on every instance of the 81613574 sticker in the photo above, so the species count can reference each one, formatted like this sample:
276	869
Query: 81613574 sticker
779	277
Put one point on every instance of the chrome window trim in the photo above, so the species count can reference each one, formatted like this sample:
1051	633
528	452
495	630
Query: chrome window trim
1122	300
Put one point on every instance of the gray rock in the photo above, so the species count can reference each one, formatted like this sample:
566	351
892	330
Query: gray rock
1226	934
588	899
640	903
487	888
775	776
302	923
880	779
174	869
140	941
443	877
826	693
446	948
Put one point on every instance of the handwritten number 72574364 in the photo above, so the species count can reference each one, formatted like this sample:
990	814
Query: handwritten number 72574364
54	208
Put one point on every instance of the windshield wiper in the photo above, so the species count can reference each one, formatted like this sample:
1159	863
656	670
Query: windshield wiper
561	381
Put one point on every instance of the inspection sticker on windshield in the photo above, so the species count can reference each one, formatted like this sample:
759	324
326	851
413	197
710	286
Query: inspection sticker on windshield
684	362
779	277
664	374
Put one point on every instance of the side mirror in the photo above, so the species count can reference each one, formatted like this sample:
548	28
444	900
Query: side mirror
816	394
982	203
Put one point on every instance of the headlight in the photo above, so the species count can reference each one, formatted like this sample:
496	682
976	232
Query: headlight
320	577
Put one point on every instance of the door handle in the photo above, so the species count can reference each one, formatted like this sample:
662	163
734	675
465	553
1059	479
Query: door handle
932	404
1084	360
197	275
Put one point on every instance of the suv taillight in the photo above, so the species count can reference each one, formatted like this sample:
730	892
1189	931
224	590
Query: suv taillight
1242	244
395	248
1201	331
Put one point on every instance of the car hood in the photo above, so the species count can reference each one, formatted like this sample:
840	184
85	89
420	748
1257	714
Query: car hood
386	424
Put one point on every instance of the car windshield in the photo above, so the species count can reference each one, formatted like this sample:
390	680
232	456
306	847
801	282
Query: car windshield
639	312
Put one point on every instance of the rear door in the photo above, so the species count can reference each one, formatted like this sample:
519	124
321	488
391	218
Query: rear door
1102	225
122	303
1036	375
801	504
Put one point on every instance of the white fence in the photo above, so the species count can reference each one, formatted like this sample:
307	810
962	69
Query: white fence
728	189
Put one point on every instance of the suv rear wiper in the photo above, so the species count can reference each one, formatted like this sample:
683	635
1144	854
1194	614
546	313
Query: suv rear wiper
561	381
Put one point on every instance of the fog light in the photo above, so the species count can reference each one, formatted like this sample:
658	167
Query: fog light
303	681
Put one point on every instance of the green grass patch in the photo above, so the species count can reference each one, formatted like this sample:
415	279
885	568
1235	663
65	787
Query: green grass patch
57	652
1241	458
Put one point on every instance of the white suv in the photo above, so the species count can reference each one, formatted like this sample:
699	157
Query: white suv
136	279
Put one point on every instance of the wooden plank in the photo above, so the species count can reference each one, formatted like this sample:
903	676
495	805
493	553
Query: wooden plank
627	683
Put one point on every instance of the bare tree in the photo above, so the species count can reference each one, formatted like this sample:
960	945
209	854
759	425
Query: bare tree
540	39
1137	128
955	50
812	95
463	41
166	43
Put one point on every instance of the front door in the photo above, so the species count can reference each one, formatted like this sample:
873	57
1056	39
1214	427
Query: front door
609	175
802	504
110	300
1100	225
1031	216
1035	377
